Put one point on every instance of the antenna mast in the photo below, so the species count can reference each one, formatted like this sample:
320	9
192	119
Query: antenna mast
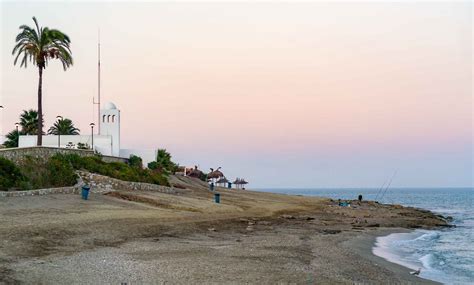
98	85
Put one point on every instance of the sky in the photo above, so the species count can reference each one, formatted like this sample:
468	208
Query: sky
310	94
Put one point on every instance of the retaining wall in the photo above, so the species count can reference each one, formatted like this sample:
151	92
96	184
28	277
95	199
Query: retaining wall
40	192
98	183
42	152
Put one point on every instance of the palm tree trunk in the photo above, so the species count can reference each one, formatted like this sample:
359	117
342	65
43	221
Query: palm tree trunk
40	108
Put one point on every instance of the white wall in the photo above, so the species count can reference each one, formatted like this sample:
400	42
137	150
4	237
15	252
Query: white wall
110	126
103	144
147	155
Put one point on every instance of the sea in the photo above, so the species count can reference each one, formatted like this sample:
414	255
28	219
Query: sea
444	255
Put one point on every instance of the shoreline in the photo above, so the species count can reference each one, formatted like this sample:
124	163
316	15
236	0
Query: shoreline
365	243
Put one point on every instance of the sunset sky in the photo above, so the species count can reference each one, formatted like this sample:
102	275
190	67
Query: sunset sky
286	95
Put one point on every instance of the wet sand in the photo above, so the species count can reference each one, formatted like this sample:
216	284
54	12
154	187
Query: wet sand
146	237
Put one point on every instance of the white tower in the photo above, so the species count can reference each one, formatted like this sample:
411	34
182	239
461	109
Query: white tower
110	126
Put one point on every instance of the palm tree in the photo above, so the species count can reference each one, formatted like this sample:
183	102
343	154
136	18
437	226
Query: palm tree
12	139
39	46
29	122
63	127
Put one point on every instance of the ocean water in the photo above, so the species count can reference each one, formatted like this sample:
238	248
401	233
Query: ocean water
444	255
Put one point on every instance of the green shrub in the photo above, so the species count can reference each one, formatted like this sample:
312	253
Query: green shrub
55	172
60	173
83	146
10	175
153	165
135	161
32	173
127	172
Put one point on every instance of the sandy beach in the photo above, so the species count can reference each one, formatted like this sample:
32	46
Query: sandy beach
139	237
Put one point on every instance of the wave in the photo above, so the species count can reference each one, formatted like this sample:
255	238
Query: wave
427	260
429	236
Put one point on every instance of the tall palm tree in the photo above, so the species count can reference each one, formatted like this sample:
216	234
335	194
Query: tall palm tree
39	46
29	122
63	127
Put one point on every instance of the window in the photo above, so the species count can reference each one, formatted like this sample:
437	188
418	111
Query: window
103	118
108	118
113	118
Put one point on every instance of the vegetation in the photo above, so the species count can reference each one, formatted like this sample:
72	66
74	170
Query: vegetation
28	126
59	171
39	46
63	127
34	174
29	122
163	163
135	161
118	170
10	175
12	139
83	146
47	174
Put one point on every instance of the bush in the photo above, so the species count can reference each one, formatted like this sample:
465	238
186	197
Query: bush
118	170
135	161
153	165
32	173
82	146
60	172
10	175
55	172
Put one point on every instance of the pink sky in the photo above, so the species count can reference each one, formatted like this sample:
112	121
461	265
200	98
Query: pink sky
308	94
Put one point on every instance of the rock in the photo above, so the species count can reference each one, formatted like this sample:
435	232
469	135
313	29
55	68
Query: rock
211	229
289	217
331	232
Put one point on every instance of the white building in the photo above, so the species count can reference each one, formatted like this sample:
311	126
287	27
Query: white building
107	142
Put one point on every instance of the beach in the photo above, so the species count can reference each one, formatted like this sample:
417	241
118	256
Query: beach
142	237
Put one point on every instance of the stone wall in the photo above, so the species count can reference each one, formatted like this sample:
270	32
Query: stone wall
39	192
98	184
42	152
101	184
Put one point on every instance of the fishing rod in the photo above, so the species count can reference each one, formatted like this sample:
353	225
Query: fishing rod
380	190
390	183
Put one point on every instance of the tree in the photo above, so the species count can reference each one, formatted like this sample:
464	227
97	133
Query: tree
12	139
29	122
163	162
39	46
63	127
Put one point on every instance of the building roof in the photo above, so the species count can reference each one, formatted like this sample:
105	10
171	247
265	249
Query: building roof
240	181
195	173
222	180
110	106
215	174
